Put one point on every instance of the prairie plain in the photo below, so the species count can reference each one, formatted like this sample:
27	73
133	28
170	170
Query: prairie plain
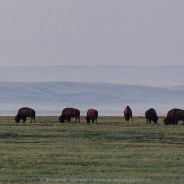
112	151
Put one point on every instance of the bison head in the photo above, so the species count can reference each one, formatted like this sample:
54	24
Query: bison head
62	119
17	118
155	119
88	119
167	121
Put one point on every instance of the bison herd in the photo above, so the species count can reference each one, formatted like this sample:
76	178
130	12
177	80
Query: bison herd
172	118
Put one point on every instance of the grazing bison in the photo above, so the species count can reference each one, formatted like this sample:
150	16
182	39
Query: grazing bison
151	115
69	113
173	116
92	114
23	113
127	113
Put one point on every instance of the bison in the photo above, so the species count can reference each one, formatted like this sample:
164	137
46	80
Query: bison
128	113
23	113
92	114
151	115
69	113
173	116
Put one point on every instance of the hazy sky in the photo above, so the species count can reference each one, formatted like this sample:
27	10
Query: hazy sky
117	32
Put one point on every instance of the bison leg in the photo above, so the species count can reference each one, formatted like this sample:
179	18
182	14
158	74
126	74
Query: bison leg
68	119
32	118
24	119
78	119
148	121
175	122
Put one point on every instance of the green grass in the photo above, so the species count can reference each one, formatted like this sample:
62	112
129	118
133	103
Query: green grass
112	151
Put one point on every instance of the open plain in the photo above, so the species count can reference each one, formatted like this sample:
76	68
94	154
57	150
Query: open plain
112	151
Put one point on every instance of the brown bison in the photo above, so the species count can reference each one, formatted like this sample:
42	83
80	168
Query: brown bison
151	115
23	113
92	114
69	113
173	116
128	113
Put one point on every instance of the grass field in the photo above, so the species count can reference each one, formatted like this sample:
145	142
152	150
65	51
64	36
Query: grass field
112	151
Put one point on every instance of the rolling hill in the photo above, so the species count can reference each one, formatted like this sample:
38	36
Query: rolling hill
110	99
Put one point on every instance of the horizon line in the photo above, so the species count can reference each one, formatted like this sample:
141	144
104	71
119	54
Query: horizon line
95	65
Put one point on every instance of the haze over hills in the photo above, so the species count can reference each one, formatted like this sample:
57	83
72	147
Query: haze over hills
107	88
157	76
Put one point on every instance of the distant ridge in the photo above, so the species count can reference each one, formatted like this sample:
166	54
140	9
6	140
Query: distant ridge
157	76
